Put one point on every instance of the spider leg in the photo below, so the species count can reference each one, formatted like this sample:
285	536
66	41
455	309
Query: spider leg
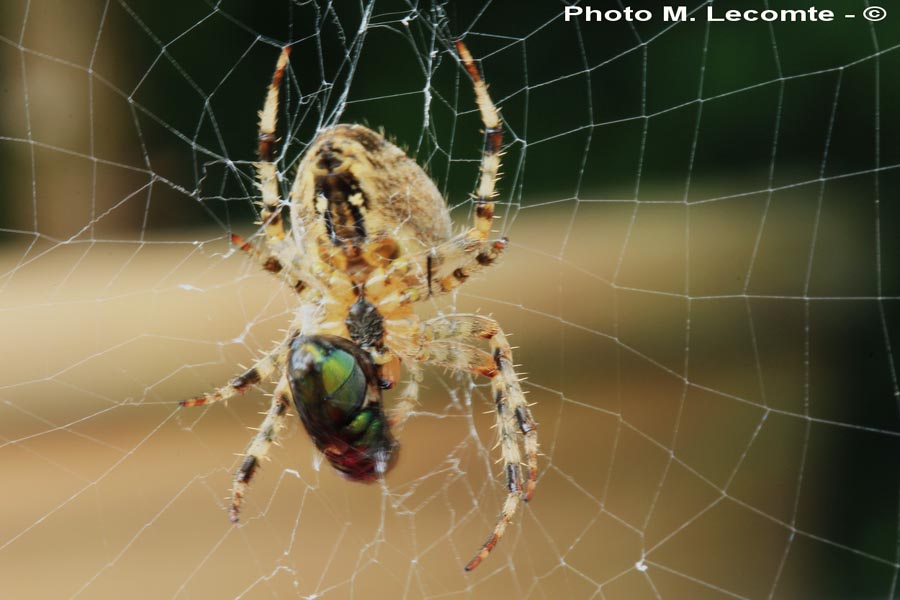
271	263
490	159
409	399
417	277
469	258
261	369
513	415
460	327
486	255
458	356
266	169
259	447
472	246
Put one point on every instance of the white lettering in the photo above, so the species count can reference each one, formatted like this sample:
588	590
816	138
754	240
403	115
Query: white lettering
678	13
613	15
573	11
592	14
770	15
675	13
595	15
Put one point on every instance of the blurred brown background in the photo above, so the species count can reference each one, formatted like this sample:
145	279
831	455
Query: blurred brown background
702	286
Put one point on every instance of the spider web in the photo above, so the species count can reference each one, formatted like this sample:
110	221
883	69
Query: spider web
701	282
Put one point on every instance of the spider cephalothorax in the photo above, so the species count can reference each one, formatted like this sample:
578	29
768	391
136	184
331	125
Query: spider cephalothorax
370	236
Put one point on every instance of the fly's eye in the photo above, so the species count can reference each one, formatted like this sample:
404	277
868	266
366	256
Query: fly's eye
326	379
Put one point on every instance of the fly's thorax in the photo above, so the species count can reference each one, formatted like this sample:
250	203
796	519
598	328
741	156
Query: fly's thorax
330	379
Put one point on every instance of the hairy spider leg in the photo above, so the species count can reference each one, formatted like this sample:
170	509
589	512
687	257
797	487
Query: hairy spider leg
486	256
472	326
266	168
441	346
261	369
472	246
469	260
490	159
283	269
408	398
268	432
458	356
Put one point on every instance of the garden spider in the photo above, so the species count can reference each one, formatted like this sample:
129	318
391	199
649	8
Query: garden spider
370	236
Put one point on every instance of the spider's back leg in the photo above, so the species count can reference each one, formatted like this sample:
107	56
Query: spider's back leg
444	343
259	447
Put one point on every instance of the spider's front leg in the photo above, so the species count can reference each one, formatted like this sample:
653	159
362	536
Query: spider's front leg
471	250
266	168
443	344
490	158
416	277
284	269
480	257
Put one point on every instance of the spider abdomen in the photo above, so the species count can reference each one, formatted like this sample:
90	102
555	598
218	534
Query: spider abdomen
337	394
354	185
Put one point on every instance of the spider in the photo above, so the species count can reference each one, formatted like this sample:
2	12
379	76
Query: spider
370	236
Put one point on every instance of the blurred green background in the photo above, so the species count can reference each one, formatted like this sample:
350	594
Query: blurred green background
703	285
